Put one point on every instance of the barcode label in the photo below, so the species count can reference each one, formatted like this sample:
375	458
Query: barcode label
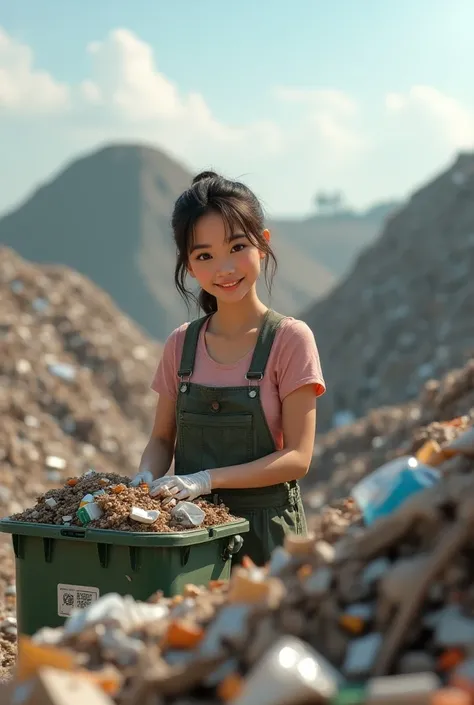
72	597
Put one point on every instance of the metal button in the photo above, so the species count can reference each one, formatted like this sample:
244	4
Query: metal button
252	393
183	388
215	406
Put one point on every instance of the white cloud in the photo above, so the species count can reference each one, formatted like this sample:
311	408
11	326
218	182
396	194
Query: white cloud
24	89
329	116
128	85
426	107
314	137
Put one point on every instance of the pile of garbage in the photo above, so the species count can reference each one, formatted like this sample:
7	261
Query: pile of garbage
383	614
107	501
75	375
403	315
8	624
345	455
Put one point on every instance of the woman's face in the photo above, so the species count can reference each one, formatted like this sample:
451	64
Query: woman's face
224	264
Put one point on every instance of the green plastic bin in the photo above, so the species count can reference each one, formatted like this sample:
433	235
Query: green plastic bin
61	568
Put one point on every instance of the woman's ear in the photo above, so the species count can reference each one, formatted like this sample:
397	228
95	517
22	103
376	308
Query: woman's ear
190	271
267	235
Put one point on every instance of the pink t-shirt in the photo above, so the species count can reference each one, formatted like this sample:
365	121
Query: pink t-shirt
293	363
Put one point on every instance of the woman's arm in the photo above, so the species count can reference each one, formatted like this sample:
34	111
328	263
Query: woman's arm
290	463
158	454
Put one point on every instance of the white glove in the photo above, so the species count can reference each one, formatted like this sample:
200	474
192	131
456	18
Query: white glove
143	477
183	487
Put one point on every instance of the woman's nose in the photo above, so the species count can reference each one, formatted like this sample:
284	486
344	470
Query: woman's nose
226	267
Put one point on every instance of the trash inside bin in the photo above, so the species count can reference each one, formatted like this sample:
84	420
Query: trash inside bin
60	568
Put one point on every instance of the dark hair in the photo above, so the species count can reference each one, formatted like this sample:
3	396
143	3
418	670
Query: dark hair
237	205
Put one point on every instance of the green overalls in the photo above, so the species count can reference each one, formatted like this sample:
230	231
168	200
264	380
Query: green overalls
222	426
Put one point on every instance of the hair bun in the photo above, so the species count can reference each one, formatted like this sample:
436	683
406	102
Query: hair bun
204	175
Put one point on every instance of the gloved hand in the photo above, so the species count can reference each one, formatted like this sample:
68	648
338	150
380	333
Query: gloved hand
142	477
183	487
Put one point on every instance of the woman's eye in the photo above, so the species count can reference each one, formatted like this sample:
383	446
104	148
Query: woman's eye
203	256
238	248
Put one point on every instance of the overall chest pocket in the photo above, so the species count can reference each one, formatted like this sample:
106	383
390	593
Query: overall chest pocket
214	440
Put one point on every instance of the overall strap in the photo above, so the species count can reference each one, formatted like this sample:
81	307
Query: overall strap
186	366
270	325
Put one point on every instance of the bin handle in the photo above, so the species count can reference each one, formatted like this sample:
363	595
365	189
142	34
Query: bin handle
74	533
235	544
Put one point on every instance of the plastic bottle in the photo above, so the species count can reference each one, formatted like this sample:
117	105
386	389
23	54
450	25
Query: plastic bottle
384	490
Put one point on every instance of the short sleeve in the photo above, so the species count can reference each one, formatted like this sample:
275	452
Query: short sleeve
165	380
297	360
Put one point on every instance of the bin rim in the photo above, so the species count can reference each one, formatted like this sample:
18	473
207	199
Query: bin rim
148	539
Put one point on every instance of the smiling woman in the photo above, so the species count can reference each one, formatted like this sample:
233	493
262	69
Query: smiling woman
236	387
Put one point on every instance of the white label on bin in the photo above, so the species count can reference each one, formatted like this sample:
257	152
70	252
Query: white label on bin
72	597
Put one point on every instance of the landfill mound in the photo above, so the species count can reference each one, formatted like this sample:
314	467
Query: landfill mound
345	455
403	315
75	374
382	615
75	377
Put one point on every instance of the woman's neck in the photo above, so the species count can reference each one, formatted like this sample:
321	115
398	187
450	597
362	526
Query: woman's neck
233	319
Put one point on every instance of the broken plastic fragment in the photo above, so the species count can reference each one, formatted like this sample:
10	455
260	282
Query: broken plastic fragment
32	657
55	462
361	655
51	502
188	515
291	671
144	516
89	512
416	688
63	370
431	453
251	587
299	545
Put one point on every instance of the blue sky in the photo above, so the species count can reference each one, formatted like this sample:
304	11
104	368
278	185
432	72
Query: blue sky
367	96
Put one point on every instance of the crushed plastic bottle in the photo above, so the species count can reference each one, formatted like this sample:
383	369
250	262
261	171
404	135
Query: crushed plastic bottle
381	492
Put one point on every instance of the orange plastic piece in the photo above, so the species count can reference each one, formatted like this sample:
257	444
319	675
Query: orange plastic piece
72	482
450	696
462	683
354	625
431	453
182	635
450	659
230	688
217	584
458	421
118	488
109	680
305	571
191	590
32	657
248	563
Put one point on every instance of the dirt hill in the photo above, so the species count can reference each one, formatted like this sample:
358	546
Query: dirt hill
404	314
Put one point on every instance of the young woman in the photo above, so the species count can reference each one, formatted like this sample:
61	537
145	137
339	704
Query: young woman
237	387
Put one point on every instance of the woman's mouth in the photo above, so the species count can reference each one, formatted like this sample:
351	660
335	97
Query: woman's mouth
230	286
